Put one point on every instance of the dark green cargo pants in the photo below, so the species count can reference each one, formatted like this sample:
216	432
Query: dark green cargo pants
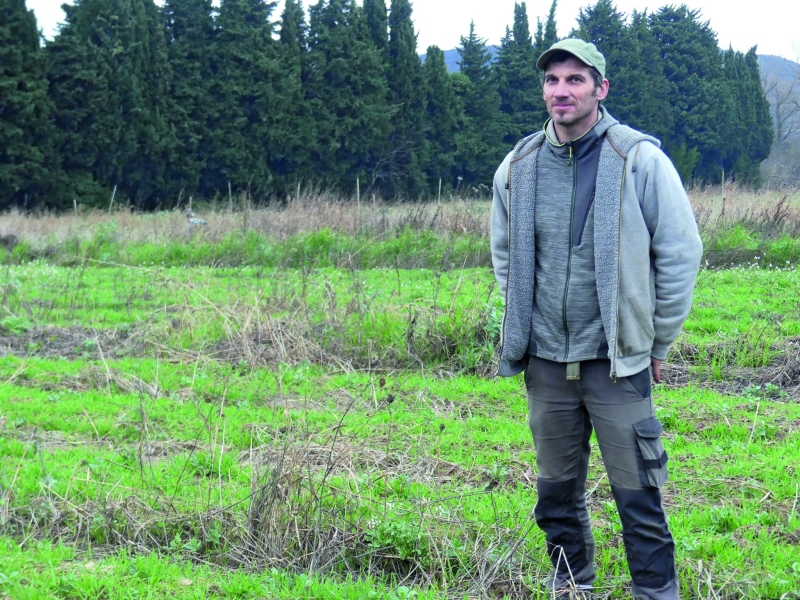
562	415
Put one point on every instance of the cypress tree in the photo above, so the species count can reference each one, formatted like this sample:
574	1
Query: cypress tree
518	79
701	110
443	114
146	106
130	54
190	28
550	35
250	130
296	164
404	156
27	160
762	133
86	111
347	92
652	110
481	146
633	78
750	129
377	18
538	39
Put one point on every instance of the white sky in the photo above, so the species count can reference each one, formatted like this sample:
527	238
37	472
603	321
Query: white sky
773	25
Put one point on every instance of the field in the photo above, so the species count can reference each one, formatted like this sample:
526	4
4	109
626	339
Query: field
298	402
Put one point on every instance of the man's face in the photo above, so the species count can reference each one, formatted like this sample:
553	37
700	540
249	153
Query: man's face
571	95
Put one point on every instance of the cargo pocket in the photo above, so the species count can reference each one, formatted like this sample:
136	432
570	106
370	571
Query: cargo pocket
653	468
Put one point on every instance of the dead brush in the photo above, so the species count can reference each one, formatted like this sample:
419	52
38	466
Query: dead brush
733	366
290	328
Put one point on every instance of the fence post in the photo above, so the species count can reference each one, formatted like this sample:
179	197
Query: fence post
358	203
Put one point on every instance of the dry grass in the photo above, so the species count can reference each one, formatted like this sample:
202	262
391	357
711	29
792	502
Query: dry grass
279	221
320	210
783	372
767	211
309	510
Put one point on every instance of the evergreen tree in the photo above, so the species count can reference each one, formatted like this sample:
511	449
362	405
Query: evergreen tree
377	18
86	112
130	55
27	159
250	131
762	133
296	164
751	126
404	76
443	114
701	110
348	93
190	29
652	110
481	146
518	79
550	35
633	80
538	39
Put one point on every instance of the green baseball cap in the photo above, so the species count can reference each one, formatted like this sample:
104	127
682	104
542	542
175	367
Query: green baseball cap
584	51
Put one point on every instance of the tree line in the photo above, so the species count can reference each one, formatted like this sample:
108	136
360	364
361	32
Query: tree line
189	100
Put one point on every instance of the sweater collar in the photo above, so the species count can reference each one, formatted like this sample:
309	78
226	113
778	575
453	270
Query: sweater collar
583	143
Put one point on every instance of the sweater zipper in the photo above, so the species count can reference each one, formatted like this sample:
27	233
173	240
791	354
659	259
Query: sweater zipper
574	164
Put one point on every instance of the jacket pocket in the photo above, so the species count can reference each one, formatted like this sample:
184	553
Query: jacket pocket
653	468
636	331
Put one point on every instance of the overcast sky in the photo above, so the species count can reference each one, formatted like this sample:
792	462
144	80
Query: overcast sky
773	25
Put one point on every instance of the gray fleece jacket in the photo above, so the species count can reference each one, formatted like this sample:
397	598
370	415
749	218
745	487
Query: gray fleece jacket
646	251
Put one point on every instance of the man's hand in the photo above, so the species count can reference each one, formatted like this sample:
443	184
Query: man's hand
656	364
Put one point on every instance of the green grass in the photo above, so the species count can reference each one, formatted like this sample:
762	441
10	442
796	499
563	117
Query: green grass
138	437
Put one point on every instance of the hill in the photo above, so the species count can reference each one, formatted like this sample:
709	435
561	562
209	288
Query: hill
768	63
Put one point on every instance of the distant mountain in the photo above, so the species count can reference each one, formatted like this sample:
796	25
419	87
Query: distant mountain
452	58
783	68
768	63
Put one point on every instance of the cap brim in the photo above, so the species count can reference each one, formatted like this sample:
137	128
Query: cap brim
542	62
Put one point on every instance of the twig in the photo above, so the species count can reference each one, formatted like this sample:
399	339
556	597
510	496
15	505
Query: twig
114	193
91	422
755	420
105	364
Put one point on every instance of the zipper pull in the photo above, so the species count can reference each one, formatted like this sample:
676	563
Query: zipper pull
569	162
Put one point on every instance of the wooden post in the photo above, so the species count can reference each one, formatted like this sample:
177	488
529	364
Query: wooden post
230	197
114	193
298	192
358	202
440	191
75	206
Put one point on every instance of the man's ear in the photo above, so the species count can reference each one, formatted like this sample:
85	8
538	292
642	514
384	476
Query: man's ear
602	91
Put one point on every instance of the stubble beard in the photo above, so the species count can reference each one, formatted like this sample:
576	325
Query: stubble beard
570	120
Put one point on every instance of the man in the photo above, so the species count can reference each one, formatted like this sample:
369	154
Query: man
596	250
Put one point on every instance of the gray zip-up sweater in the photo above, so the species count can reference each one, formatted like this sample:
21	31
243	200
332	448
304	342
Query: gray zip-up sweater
566	314
646	250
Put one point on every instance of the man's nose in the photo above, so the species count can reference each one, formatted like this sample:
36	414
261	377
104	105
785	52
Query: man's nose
561	89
